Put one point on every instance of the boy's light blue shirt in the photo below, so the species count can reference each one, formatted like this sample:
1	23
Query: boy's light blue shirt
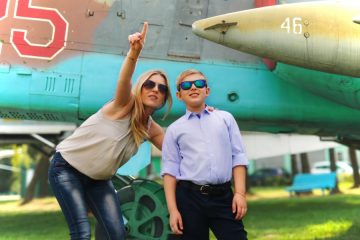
204	148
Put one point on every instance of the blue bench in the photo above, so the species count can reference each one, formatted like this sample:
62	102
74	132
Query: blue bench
307	182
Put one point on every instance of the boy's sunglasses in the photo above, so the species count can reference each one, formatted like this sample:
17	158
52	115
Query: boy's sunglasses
149	84
186	85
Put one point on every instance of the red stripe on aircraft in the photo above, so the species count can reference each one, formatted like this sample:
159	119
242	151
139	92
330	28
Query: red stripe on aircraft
264	3
270	64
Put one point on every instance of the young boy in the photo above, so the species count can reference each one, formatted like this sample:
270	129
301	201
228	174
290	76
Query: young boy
202	151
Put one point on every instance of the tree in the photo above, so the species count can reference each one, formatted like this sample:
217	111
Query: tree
41	155
355	166
7	176
305	166
333	169
294	166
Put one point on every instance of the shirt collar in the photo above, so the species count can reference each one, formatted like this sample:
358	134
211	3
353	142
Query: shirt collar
189	114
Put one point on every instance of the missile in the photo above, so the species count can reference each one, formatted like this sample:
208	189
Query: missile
323	35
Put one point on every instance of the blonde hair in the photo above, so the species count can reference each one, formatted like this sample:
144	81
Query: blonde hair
138	122
186	73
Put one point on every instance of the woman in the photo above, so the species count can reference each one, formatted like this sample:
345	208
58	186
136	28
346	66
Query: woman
84	163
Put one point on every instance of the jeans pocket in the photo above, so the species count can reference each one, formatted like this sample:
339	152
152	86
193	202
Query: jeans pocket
59	161
63	163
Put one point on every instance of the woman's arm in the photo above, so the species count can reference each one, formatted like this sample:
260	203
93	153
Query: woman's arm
156	135
123	97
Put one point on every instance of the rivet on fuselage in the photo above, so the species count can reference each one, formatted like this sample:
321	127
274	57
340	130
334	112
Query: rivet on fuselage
90	13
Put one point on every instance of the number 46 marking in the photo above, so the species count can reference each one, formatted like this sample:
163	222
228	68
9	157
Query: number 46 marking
295	25
18	38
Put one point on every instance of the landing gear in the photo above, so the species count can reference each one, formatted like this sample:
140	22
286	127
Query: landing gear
144	208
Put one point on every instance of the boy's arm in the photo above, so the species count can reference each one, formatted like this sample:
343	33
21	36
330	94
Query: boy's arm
240	162
175	220
170	154
239	205
170	169
237	145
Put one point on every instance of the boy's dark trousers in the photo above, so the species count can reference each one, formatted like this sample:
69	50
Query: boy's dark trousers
201	211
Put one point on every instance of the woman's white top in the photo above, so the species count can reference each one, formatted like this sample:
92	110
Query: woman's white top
99	146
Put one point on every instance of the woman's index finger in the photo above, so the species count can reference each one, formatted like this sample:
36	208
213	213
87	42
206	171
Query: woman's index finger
144	30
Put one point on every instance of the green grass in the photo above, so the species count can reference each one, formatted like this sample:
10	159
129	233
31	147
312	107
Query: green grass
271	215
40	219
328	217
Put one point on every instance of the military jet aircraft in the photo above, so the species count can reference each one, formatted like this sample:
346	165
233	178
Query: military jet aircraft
59	61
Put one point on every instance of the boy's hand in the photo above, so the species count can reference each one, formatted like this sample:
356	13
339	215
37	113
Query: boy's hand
239	206
137	39
176	224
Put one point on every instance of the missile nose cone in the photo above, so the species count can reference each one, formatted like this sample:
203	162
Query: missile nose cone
197	28
295	34
212	28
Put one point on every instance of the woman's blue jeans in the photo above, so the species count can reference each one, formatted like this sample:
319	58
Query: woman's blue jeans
76	193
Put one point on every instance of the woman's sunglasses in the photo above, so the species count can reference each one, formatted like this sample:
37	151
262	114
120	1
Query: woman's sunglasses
186	85
149	84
